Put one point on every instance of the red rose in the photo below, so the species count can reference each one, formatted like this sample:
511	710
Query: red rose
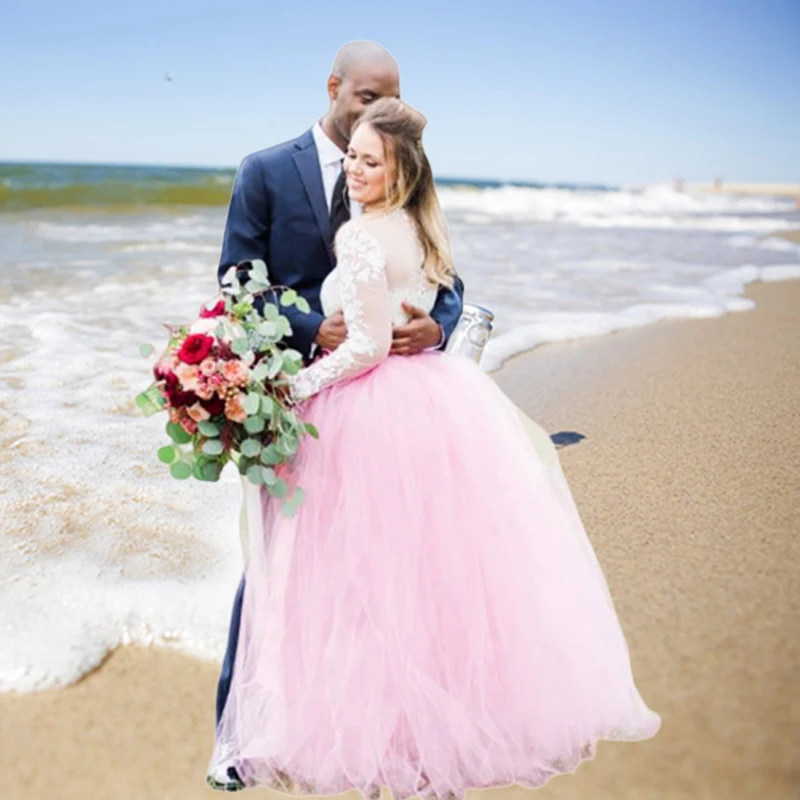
215	405
217	311
180	399
225	353
170	382
162	371
195	348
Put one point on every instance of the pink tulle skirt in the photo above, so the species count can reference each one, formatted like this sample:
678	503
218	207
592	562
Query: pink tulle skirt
434	618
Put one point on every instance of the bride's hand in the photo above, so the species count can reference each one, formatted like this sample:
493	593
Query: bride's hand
421	332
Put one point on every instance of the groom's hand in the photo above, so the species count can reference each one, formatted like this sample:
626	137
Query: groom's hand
420	333
332	332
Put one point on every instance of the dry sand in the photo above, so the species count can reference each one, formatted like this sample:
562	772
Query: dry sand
688	478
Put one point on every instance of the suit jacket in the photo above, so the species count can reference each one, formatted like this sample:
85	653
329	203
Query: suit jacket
278	213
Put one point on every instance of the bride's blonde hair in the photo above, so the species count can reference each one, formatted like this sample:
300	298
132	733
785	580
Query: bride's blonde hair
400	128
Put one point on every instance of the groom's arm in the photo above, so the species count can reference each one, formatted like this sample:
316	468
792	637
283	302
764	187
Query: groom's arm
246	237
448	308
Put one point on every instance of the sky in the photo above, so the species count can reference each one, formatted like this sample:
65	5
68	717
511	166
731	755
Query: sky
579	90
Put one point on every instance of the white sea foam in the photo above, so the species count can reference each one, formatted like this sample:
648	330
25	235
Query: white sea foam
717	295
655	206
101	547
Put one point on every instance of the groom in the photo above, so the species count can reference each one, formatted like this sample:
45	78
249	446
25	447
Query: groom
287	203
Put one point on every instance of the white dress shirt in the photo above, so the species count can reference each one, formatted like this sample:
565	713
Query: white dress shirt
330	164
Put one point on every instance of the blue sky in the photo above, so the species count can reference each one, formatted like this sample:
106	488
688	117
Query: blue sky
578	91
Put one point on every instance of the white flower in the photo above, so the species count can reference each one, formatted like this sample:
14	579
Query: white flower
208	325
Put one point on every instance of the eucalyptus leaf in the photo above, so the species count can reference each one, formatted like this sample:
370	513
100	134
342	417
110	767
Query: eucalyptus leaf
287	445
279	489
268	475
250	448
297	497
151	400
271	312
208	428
254	475
270	455
230	277
290	355
268	329
240	346
267	405
288	509
302	305
211	470
275	365
252	403
146	350
177	433
168	454
254	424
260	371
213	447
258	269
284	328
289	297
180	470
255	287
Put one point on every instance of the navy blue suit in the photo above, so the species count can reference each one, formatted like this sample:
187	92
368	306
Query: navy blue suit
278	213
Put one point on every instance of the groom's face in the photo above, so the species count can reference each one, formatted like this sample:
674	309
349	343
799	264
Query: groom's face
351	94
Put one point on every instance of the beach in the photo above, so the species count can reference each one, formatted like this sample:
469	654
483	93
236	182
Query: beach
680	446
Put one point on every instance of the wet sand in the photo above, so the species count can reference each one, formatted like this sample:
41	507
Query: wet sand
680	443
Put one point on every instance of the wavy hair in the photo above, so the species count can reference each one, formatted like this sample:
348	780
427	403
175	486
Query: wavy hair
400	128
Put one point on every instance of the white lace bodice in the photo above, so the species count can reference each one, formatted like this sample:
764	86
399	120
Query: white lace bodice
379	267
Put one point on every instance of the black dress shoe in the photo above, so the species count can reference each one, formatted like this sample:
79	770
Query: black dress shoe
233	784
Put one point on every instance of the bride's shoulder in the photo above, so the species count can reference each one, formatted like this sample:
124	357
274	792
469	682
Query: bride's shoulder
358	240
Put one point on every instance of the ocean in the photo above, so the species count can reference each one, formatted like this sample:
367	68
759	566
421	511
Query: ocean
100	547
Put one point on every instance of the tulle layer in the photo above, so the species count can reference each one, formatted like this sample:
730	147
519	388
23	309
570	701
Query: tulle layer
434	618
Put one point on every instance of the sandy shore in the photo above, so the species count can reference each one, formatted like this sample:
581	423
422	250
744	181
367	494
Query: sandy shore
686	468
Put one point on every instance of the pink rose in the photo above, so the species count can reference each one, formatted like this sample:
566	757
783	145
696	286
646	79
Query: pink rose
208	367
235	372
204	391
234	410
189	376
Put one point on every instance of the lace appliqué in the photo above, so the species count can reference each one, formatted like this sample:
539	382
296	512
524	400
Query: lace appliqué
366	304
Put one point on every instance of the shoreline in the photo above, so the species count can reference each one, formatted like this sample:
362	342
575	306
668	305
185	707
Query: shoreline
678	449
761	189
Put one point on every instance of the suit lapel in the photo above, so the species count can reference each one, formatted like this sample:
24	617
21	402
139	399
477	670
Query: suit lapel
307	162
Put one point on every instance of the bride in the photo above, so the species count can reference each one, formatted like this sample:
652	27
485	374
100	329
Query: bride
434	617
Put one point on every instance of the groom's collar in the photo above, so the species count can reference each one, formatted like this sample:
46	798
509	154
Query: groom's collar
329	153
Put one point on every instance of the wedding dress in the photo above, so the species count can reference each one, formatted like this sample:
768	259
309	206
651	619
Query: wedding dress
434	617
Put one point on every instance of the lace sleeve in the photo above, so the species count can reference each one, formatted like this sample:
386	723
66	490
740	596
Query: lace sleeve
367	308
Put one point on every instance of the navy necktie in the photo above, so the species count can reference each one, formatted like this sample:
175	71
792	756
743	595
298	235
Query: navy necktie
340	211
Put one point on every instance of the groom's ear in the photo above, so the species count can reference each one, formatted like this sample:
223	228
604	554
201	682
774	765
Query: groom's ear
334	82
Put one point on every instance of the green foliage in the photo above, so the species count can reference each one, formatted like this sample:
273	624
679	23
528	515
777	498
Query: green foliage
271	434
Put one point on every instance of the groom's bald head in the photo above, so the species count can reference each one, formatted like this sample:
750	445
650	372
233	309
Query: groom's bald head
361	54
362	73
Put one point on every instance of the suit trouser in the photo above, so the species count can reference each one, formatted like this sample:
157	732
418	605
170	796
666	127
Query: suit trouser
224	684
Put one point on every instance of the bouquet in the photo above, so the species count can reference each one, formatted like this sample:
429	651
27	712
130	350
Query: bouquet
222	381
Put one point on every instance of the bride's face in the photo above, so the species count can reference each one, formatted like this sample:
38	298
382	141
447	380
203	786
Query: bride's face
367	167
